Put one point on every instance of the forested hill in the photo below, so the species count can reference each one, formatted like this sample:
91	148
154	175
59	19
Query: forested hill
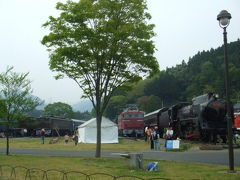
202	73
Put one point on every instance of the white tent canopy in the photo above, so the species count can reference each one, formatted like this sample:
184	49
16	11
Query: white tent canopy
88	131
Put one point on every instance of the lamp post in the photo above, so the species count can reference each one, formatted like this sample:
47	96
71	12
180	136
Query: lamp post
224	20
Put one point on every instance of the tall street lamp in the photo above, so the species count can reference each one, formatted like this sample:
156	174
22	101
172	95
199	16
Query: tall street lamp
224	20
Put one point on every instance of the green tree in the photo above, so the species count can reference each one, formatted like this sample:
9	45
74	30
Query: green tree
59	109
16	99
203	73
234	72
35	113
165	86
3	108
138	90
101	45
149	103
86	115
115	107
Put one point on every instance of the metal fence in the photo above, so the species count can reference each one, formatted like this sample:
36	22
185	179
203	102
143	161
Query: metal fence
23	173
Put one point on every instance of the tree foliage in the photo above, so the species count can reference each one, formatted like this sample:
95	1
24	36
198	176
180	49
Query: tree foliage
203	73
82	115
102	45
15	99
166	86
115	106
59	109
149	103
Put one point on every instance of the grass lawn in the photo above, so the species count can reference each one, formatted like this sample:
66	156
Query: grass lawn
123	145
34	143
115	167
119	167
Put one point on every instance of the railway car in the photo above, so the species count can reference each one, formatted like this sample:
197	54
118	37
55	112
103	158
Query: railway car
237	116
203	119
130	122
152	119
54	126
237	120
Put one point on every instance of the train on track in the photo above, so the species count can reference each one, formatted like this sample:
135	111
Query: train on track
237	121
237	116
130	122
203	119
54	126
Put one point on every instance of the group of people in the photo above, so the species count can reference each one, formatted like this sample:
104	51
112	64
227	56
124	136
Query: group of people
152	136
74	137
66	137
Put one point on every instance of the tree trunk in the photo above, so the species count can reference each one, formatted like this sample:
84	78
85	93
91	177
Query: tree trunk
98	146
7	136
99	113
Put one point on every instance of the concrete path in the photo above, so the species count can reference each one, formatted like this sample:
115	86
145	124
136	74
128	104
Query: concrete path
210	157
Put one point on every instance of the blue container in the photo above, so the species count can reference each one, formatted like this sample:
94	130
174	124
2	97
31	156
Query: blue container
153	166
169	144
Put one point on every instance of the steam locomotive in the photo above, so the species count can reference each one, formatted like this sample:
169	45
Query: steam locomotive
204	119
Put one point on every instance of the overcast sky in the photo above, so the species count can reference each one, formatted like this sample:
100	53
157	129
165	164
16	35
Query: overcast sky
183	28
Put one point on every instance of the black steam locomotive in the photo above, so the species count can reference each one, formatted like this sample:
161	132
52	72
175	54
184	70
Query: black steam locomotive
204	119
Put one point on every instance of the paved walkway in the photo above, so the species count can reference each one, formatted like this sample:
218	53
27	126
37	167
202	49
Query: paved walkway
211	157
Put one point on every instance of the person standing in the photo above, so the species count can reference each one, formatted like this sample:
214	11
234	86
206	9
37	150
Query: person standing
151	138
66	138
169	135
149	133
145	133
76	136
164	133
156	139
42	134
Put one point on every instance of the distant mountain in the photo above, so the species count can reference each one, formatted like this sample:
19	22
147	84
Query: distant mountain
83	105
41	107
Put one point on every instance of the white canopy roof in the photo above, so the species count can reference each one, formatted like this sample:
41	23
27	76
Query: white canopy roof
88	131
92	123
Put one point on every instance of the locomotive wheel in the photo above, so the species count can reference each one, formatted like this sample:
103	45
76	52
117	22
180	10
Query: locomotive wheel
178	130
211	137
224	139
204	136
